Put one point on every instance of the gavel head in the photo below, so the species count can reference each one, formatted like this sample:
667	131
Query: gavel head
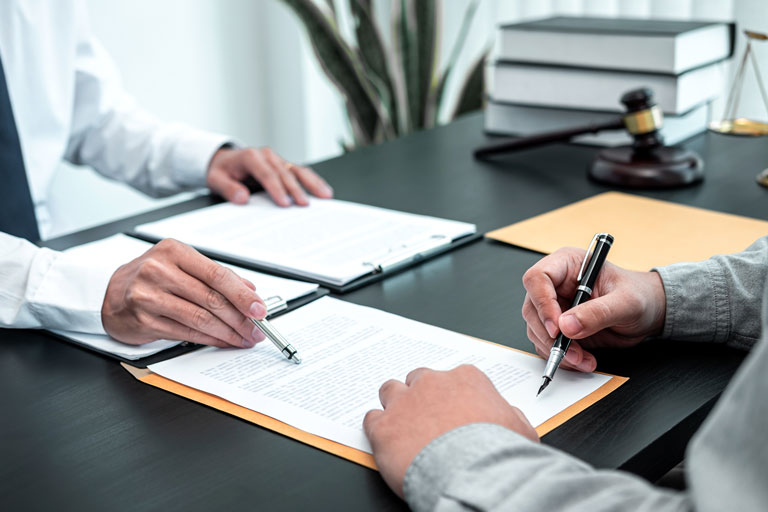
643	119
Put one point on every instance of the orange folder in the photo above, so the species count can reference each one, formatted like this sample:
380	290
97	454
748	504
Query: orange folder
648	232
338	449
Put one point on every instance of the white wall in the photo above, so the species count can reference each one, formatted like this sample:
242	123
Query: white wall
244	67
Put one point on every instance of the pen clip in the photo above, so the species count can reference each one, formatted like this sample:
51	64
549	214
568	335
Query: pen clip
586	257
407	253
275	304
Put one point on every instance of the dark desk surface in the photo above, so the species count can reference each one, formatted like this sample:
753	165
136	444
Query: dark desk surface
79	431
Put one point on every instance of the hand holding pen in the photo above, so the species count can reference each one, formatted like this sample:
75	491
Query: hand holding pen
626	307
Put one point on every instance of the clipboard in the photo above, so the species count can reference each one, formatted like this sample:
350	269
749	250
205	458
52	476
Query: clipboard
340	450
276	306
402	259
649	232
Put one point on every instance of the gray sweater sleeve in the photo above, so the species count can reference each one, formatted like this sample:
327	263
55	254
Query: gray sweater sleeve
717	300
484	467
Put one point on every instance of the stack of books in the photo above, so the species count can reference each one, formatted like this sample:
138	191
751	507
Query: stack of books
566	72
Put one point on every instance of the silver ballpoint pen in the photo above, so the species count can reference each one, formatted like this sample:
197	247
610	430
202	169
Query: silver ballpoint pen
278	340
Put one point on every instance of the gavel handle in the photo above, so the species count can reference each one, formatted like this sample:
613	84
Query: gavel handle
545	138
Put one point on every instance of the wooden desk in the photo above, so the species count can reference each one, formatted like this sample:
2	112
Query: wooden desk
77	431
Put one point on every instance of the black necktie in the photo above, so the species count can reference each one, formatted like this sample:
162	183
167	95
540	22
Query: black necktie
17	213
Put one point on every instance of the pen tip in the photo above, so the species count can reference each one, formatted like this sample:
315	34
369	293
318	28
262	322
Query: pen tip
296	359
543	385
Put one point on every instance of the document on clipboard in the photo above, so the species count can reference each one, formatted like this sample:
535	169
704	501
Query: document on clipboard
331	242
279	295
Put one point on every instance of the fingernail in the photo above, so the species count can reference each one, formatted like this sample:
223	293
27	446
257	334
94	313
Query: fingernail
570	324
551	328
258	311
285	200
241	196
248	343
327	190
257	335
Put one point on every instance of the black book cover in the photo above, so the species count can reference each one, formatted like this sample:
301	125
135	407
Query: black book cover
618	26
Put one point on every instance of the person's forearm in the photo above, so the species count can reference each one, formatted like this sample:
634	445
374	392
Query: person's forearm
484	467
112	134
717	300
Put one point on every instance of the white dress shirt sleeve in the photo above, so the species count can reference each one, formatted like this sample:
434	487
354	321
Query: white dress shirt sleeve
47	289
118	139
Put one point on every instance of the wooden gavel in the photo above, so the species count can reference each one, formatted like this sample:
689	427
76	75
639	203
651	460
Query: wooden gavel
647	163
642	120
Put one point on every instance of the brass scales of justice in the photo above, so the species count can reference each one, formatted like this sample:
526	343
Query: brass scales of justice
742	126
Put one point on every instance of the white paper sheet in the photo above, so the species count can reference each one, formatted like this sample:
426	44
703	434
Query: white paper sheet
120	249
330	240
348	351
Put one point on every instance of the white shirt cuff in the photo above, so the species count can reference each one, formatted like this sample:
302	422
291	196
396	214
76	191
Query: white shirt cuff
192	154
67	293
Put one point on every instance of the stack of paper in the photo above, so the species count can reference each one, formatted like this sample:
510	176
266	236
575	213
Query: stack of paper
330	241
120	249
348	352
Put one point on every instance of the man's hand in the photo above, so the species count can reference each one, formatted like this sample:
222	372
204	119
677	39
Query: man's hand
626	307
429	404
285	182
173	292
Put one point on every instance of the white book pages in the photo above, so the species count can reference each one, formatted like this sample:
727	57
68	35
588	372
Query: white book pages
620	47
587	89
523	120
120	249
329	240
347	352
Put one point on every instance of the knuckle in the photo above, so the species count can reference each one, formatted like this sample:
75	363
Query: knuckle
151	267
201	319
467	369
368	419
218	274
136	297
528	277
144	319
214	300
167	245
386	386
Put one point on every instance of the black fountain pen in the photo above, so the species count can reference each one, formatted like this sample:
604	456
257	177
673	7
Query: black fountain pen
588	272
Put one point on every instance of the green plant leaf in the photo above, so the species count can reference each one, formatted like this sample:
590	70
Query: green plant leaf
471	95
408	56
338	61
396	59
374	57
332	7
425	24
437	96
